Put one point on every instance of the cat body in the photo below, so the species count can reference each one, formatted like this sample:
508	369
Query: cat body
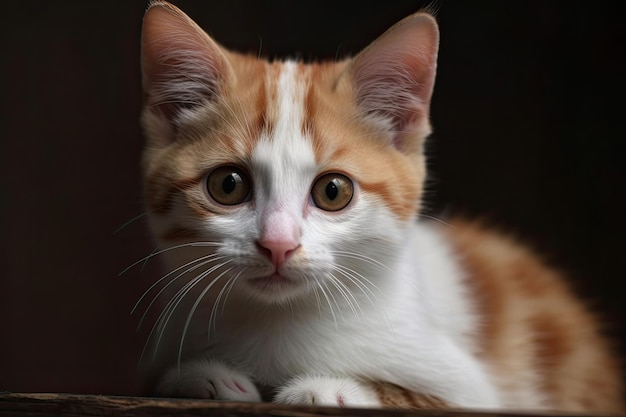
286	198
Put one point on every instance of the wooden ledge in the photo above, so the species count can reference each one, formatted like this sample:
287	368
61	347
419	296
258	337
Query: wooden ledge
71	405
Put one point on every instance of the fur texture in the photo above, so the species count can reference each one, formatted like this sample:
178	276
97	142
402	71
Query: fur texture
286	197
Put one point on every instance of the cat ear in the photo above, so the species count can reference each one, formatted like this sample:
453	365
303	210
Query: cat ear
393	79
182	67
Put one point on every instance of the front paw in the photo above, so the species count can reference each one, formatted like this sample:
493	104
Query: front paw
327	391
201	378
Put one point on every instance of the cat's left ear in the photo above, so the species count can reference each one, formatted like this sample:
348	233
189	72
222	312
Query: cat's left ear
393	80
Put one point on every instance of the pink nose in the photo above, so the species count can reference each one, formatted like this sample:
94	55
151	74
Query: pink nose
277	251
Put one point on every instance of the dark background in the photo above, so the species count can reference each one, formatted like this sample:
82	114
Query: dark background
528	125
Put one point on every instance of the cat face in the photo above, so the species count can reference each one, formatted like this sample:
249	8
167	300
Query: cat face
281	179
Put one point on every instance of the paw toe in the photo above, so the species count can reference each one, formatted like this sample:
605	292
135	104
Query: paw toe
326	391
209	380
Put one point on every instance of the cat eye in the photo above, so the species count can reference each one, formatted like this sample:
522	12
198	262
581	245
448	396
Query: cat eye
332	192
228	185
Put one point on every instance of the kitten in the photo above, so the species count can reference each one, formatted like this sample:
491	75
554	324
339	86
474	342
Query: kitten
285	197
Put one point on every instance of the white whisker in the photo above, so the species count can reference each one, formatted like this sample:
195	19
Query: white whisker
172	305
134	219
153	254
202	262
438	220
355	255
230	287
357	279
225	290
145	262
353	303
318	300
193	310
330	306
157	282
158	324
352	276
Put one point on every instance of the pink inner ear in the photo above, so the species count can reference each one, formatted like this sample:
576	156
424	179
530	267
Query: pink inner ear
182	67
394	77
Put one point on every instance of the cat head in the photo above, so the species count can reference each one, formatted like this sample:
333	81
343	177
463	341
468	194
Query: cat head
286	178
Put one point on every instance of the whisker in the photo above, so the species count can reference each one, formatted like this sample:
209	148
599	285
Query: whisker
353	303
260	47
355	255
157	325
231	287
357	278
202	261
173	304
365	290
332	312
212	317
157	282
318	300
332	296
145	262
168	311
153	254
337	59
438	220
134	219
225	290
193	310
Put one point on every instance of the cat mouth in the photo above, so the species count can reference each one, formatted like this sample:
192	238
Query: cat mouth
273	281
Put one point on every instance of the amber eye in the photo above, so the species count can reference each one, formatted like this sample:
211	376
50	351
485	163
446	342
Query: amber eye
228	185
332	192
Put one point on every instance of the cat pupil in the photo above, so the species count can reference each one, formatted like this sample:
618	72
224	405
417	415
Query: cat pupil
331	190
229	183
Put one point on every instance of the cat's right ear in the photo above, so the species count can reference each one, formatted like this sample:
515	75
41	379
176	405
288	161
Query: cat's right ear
182	68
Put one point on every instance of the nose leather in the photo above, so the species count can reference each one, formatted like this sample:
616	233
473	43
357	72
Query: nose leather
280	236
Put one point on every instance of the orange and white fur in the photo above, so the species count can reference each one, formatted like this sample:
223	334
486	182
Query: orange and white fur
286	198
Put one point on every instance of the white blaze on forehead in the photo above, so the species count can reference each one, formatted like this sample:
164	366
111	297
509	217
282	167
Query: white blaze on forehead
283	161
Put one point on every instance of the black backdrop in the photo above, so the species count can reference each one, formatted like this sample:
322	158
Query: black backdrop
528	133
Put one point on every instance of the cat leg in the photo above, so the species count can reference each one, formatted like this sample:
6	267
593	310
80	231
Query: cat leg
210	379
327	391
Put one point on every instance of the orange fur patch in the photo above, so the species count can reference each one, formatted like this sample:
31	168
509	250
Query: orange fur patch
533	326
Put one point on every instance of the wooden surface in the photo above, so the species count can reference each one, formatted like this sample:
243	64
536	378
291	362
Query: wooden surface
44	405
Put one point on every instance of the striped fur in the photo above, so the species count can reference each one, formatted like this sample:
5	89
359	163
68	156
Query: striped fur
359	306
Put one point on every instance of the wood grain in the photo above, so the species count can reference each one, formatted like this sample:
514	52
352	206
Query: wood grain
70	405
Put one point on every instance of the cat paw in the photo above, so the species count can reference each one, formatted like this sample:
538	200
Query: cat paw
326	391
206	379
